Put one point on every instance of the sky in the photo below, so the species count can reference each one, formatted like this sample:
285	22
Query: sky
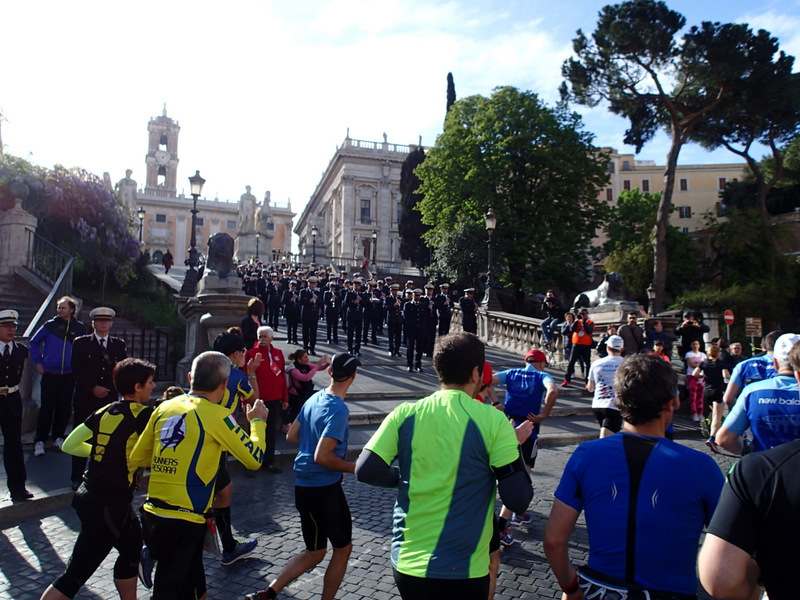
265	91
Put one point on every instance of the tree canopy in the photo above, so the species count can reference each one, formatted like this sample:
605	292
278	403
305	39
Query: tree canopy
536	168
77	213
410	227
636	65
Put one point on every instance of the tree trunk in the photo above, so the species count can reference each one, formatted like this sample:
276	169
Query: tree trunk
662	222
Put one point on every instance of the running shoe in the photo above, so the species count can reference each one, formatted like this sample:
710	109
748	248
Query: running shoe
712	445
59	442
146	564
705	429
523	519
696	418
565	383
259	595
505	538
242	550
38	449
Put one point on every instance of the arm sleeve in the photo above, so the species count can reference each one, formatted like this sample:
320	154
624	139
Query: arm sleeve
298	376
36	345
737	421
77	442
248	449
516	490
568	490
373	470
142	453
384	442
501	377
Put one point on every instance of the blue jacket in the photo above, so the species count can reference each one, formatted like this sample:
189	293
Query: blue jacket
51	346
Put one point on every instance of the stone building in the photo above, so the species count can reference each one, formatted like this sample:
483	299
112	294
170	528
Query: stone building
167	218
697	187
355	208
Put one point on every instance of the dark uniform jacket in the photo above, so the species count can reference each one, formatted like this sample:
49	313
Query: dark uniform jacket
92	366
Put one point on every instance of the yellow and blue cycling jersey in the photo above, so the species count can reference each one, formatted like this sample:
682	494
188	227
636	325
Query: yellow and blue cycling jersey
238	389
182	444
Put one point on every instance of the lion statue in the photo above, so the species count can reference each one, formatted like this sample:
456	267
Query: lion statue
220	255
610	291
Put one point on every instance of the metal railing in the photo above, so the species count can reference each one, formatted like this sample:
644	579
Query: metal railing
162	346
54	266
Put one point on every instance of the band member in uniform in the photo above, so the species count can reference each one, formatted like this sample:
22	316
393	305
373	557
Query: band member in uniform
332	304
393	307
12	361
311	302
444	308
373	319
414	317
93	359
430	321
354	305
469	311
291	311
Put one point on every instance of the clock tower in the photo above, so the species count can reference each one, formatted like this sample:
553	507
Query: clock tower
162	156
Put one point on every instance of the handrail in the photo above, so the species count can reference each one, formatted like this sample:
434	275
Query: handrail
44	258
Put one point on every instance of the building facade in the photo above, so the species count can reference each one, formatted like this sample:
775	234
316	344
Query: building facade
697	187
167	217
355	209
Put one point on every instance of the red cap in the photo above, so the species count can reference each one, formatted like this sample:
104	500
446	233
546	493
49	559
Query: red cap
487	373
537	356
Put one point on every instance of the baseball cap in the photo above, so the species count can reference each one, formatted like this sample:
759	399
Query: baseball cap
615	342
486	378
537	356
783	345
344	365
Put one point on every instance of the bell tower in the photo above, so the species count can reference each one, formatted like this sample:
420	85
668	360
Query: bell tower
162	156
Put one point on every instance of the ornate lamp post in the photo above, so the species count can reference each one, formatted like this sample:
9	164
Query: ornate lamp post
190	280
140	214
258	237
489	301
374	245
314	233
651	300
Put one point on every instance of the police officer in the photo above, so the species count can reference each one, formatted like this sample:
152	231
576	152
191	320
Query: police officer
444	308
373	312
354	304
393	308
12	361
332	304
414	315
469	311
273	301
311	303
93	359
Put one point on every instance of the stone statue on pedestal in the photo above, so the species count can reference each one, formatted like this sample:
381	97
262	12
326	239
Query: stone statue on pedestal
265	217
126	190
247	212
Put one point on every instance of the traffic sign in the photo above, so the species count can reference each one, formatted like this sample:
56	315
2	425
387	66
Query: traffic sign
752	327
728	314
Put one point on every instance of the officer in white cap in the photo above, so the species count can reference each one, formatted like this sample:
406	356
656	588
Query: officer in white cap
12	361
93	360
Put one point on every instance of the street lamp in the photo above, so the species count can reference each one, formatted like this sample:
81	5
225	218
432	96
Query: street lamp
140	214
190	279
314	233
258	237
489	301
374	245
651	300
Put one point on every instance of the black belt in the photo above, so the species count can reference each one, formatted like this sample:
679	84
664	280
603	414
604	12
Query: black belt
167	506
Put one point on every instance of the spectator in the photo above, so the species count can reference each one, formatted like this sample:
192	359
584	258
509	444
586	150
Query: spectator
581	331
654	331
602	350
694	384
632	335
691	329
553	314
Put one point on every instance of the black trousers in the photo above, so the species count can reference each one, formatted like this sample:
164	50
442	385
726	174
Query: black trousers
56	406
11	426
414	341
310	334
354	335
332	321
425	588
273	424
292	322
395	336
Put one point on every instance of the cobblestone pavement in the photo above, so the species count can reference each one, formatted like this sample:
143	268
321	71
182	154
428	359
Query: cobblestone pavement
34	551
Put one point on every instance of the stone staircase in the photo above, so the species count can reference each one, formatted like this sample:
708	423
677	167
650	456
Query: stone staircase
20	295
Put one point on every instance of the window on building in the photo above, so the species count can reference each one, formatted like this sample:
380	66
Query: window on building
365	210
609	195
399	212
685	212
230	224
626	165
626	184
161	218
685	230
610	167
270	226
722	182
199	221
645	185
684	184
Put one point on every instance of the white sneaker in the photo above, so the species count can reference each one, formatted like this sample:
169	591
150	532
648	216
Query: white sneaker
59	442
696	418
38	449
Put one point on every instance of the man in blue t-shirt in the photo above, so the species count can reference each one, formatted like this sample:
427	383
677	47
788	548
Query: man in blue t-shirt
753	369
321	430
771	408
646	499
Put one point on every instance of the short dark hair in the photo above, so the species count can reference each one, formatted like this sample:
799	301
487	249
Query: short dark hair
130	371
770	339
456	356
643	384
794	357
255	307
209	371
